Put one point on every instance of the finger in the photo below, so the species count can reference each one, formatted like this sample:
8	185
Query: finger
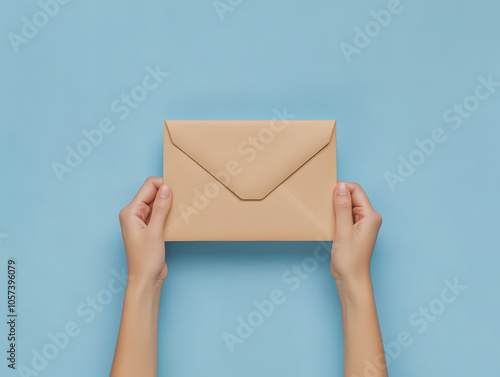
161	208
362	208
359	197
360	202
343	208
147	193
150	210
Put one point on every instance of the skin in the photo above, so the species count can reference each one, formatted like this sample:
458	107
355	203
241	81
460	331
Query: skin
355	235
142	222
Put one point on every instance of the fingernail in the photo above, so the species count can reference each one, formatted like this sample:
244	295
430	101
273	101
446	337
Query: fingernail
342	188
164	191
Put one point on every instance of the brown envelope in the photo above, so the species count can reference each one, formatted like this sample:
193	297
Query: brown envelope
250	180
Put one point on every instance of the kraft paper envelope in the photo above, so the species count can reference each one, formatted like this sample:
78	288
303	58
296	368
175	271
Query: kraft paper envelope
250	180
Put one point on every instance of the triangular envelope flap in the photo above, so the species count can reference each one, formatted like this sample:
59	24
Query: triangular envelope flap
251	157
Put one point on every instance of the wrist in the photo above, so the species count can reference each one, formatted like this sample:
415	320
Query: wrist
144	286
142	297
355	288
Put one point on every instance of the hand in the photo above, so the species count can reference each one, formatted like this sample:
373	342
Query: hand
357	226
142	223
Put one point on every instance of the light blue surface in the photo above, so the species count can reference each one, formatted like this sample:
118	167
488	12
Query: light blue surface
440	223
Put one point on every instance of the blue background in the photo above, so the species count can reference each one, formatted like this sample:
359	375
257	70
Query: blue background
440	223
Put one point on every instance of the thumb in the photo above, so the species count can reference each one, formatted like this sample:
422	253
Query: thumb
161	208
343	208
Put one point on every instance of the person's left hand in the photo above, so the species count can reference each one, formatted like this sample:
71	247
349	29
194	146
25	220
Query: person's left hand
142	223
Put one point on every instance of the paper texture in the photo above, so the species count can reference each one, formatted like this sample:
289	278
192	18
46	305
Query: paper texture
250	180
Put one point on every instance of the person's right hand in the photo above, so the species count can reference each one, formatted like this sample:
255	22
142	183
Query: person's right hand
356	230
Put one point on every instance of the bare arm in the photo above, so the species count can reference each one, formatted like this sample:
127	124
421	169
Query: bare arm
136	348
142	224
357	226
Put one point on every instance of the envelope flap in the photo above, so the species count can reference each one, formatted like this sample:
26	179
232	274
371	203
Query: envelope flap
250	157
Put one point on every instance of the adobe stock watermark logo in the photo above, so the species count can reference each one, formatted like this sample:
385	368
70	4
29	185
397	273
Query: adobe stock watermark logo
224	6
86	312
372	29
292	280
454	116
31	26
419	321
122	107
247	149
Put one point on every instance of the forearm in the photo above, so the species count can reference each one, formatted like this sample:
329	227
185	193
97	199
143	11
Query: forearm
136	351
363	348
